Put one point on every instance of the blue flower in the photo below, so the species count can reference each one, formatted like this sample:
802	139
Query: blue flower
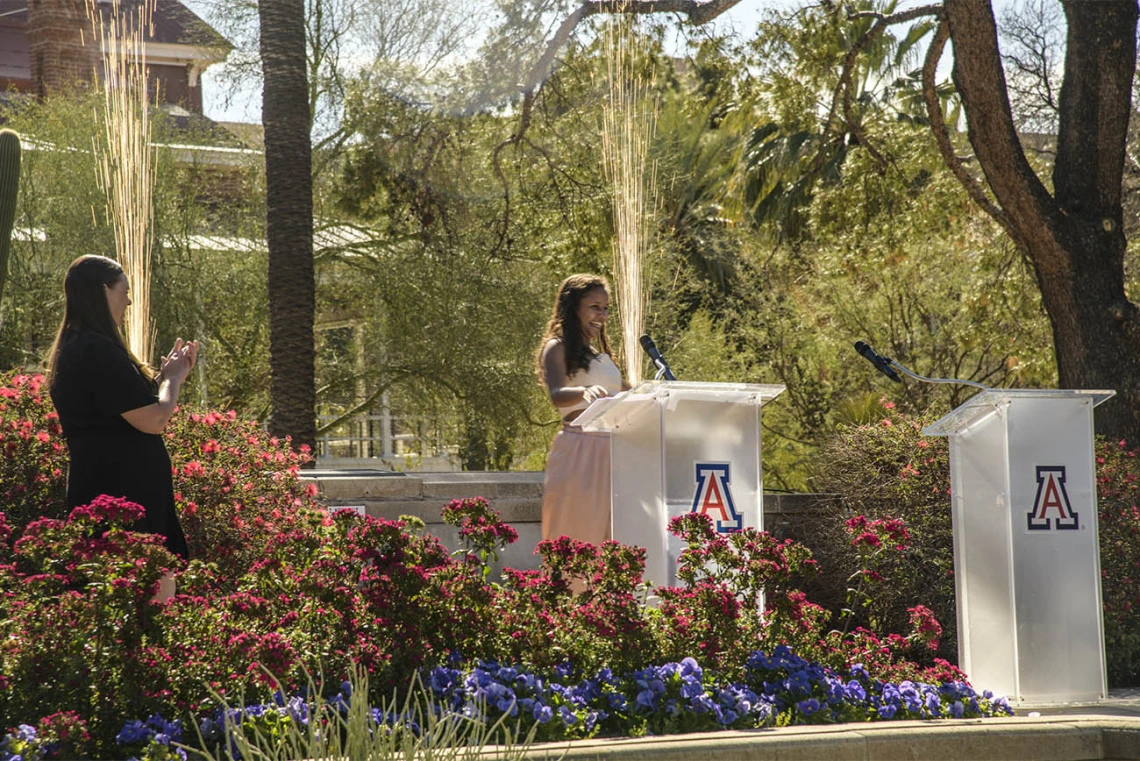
298	710
568	717
479	678
443	680
134	731
542	714
760	661
910	697
209	730
646	699
887	710
691	689
808	707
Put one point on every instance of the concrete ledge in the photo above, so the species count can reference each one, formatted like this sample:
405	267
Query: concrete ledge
365	487
517	495
514	510
355	489
1069	738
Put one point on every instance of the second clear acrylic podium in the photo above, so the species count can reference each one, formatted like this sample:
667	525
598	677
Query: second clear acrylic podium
678	447
1026	556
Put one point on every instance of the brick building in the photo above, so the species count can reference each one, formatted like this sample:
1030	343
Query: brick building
48	44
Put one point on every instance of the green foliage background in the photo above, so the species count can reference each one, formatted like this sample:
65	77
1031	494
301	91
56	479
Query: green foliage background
780	237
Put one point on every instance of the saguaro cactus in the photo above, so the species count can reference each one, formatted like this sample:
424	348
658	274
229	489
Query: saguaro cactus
9	188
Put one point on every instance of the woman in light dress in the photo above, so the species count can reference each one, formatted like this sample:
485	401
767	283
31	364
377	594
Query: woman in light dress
576	368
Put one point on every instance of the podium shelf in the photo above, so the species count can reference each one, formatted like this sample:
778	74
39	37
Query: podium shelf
611	412
986	403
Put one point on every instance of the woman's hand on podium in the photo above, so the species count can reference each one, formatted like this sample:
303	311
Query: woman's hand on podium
593	393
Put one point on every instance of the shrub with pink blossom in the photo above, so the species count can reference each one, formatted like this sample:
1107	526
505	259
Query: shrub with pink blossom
887	544
885	473
33	468
77	618
1118	498
279	592
235	486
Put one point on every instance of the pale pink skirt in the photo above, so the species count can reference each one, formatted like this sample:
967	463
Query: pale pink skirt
576	490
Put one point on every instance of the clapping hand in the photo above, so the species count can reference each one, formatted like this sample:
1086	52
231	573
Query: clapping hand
180	361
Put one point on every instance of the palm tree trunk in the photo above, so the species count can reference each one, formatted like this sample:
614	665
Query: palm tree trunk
289	221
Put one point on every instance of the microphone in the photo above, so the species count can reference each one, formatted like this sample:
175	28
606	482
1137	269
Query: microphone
882	364
655	355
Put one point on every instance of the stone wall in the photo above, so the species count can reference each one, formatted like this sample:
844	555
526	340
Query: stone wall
517	496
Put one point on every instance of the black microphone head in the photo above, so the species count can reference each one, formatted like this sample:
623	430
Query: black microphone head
647	342
860	346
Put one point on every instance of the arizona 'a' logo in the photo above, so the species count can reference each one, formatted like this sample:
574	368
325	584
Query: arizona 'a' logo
714	497
1051	508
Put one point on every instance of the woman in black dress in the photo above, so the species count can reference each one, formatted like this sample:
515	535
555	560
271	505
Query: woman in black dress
113	407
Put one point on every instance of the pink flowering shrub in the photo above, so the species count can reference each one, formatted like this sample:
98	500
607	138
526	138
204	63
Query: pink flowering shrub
279	591
886	545
1118	502
76	618
885	473
235	488
540	622
33	465
725	579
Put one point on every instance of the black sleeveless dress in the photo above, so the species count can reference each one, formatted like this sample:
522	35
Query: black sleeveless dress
94	382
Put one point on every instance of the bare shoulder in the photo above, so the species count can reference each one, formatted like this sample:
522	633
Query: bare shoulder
553	349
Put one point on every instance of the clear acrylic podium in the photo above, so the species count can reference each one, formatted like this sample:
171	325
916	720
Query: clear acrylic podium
1026	559
676	447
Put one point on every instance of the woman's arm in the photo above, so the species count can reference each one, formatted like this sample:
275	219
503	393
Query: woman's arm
154	417
554	371
175	367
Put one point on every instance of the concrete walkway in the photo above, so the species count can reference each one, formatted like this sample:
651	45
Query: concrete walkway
1108	730
1072	738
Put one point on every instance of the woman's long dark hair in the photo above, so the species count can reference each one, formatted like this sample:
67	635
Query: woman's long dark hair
86	308
565	325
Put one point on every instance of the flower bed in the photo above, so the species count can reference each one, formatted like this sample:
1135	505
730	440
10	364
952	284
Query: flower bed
279	590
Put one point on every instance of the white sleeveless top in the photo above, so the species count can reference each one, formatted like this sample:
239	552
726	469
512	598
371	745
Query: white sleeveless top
602	372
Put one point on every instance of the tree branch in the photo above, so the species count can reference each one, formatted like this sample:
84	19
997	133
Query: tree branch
942	135
842	92
980	79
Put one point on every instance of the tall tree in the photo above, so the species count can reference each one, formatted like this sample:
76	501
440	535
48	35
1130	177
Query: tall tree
1073	233
286	118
